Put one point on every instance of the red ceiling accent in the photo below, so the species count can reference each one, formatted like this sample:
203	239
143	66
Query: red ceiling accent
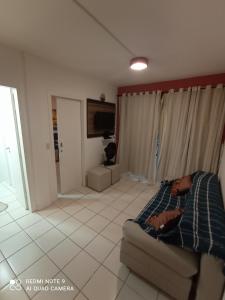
173	84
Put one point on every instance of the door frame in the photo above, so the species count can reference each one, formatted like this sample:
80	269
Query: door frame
20	144
82	110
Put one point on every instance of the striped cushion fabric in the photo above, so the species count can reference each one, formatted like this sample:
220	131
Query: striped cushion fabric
202	225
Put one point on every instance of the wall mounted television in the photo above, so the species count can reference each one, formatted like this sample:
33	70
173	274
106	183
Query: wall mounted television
100	118
104	121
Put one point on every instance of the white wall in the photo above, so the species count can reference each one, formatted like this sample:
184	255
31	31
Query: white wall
36	80
4	174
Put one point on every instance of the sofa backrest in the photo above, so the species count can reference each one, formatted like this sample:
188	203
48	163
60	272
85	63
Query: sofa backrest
222	175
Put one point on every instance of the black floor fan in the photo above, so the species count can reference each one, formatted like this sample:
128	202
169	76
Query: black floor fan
110	152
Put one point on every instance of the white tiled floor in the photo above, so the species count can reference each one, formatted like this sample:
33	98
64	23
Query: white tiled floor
75	243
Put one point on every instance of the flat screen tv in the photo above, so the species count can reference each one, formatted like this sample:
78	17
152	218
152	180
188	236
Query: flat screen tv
104	121
100	118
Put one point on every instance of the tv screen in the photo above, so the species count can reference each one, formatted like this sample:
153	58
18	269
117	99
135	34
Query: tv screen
104	121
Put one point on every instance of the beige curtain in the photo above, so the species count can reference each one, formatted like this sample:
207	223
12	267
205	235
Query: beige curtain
188	123
139	124
207	129
191	128
173	133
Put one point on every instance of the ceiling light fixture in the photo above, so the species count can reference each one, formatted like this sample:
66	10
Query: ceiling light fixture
139	63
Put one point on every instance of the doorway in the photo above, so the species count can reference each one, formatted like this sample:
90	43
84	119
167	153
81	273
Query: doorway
12	168
66	116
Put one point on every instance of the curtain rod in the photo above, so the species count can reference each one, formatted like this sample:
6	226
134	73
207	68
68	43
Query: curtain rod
167	91
165	86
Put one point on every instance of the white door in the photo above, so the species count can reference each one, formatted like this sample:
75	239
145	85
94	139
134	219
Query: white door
69	138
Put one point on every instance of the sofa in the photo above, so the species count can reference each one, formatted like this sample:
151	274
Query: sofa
180	273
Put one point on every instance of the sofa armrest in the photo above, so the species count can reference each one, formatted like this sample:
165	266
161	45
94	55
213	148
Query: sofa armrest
211	279
185	263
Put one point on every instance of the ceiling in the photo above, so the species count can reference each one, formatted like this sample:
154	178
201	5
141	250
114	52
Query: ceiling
180	38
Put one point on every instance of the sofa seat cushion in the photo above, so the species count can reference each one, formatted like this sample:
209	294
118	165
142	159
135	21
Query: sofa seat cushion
182	261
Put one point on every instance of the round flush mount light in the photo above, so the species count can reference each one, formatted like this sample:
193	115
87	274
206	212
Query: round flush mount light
139	63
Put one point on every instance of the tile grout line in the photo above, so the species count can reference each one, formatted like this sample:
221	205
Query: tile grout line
46	253
106	205
102	264
55	226
82	249
15	276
